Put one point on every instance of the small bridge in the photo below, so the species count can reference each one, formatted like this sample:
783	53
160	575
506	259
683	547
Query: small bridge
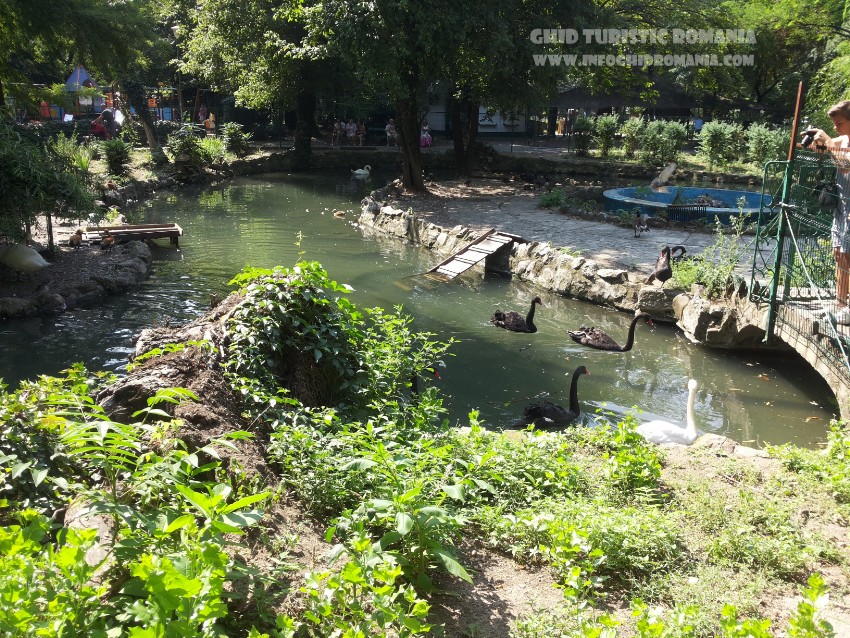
489	243
794	272
129	232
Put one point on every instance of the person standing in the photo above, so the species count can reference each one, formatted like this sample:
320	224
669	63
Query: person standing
392	134
839	147
350	131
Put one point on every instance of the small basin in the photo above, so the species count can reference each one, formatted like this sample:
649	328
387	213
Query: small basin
645	200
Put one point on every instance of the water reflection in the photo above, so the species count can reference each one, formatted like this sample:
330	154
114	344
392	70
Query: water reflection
277	220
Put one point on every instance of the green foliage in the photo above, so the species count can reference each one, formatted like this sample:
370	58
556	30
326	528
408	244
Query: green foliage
36	179
661	142
211	150
716	266
184	145
552	199
582	135
236	141
632	132
362	598
168	348
605	130
765	144
830	469
722	142
117	155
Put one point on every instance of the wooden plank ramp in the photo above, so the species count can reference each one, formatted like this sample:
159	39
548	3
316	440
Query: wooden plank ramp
467	257
129	232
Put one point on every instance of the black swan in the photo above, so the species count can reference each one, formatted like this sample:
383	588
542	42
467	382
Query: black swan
548	414
432	370
666	432
514	321
663	271
599	339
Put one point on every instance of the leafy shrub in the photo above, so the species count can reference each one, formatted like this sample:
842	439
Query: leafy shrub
552	199
236	141
211	150
765	144
582	135
721	143
184	145
605	130
715	267
661	142
117	154
632	132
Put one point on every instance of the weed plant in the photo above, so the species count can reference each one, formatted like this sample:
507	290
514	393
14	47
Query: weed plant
349	435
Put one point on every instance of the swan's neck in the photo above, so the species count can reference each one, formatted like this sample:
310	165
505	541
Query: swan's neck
529	318
691	429
631	339
574	394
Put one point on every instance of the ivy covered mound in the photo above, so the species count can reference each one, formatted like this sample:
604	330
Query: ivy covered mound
269	469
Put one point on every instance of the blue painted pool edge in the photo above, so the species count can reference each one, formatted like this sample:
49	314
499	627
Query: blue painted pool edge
652	202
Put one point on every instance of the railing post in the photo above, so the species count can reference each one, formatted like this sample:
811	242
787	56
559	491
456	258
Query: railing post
773	304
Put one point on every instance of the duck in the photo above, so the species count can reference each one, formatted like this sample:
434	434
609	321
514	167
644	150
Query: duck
22	258
599	339
107	241
641	225
548	414
76	240
663	270
361	173
665	432
659	184
339	214
514	321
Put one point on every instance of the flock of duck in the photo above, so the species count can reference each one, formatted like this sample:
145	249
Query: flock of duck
548	414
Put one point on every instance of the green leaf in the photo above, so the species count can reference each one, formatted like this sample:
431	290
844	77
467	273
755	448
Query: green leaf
19	468
452	566
403	523
179	523
456	491
244	502
359	464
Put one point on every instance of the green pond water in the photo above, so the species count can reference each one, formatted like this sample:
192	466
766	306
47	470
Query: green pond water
257	221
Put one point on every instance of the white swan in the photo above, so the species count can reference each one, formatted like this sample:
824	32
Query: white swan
666	432
362	173
22	258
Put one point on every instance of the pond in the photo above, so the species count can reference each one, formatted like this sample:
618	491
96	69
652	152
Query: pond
276	220
720	202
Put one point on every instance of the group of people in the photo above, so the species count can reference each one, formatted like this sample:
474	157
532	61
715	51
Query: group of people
355	133
105	126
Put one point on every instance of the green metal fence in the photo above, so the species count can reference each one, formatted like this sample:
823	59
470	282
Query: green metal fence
794	271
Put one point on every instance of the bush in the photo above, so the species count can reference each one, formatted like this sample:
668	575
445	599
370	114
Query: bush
582	135
765	144
236	141
184	145
117	154
211	150
553	199
604	133
661	142
632	131
721	143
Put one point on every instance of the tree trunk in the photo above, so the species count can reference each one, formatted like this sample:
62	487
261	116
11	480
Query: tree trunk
464	134
2	96
408	135
135	92
305	112
552	123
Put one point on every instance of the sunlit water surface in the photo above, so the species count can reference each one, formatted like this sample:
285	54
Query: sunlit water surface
277	220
